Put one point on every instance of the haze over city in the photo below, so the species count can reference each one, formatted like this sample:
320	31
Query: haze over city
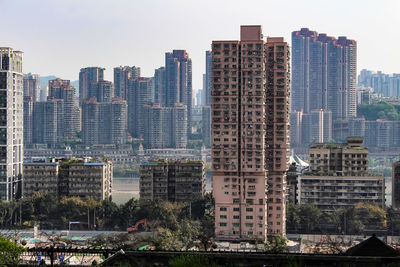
60	37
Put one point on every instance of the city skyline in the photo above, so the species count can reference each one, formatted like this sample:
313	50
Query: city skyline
101	24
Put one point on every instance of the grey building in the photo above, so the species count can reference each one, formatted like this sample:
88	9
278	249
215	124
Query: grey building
87	76
178	89
11	123
206	126
317	126
82	178
32	86
396	185
104	123
139	95
28	120
165	127
174	181
324	73
48	122
102	90
159	84
121	77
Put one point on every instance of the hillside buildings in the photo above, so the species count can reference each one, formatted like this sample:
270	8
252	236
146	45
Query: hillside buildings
11	123
250	135
82	178
174	181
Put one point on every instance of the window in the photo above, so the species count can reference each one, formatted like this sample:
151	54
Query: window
236	217
249	209
249	225
235	209
222	216
222	224
249	217
222	209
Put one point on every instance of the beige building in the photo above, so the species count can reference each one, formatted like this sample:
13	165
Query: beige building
339	177
173	181
250	135
341	159
81	178
333	192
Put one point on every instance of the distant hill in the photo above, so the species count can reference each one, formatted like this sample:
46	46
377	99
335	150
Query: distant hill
44	81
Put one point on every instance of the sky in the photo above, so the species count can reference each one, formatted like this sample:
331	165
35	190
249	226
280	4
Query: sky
58	37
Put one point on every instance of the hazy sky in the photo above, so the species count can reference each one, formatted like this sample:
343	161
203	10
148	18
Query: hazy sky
60	37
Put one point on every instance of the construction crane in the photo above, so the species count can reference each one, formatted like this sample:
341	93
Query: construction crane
134	228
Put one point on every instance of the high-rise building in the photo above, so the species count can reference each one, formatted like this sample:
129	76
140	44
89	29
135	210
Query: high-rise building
207	80
178	73
121	77
32	86
80	178
104	123
87	76
172	181
48	122
11	123
139	95
317	127
28	120
250	135
159	84
102	90
324	73
56	88
72	116
165	127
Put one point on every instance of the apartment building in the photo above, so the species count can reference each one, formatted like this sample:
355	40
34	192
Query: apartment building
11	123
174	181
83	178
340	159
333	192
338	177
250	135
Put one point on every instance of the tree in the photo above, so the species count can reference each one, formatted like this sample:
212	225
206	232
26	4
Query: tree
278	245
9	252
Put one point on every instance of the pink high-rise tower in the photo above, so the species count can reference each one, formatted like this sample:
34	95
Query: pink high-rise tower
250	135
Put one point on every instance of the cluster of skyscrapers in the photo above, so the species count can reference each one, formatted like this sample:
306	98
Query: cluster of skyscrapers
156	110
324	81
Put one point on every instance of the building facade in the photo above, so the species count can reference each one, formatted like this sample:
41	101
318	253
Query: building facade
11	123
250	135
396	185
104	123
178	85
329	193
174	181
338	177
87	76
139	95
80	178
32	86
165	127
324	73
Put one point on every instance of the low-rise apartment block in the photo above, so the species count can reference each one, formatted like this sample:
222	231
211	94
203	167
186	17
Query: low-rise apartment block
338	177
83	178
173	181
